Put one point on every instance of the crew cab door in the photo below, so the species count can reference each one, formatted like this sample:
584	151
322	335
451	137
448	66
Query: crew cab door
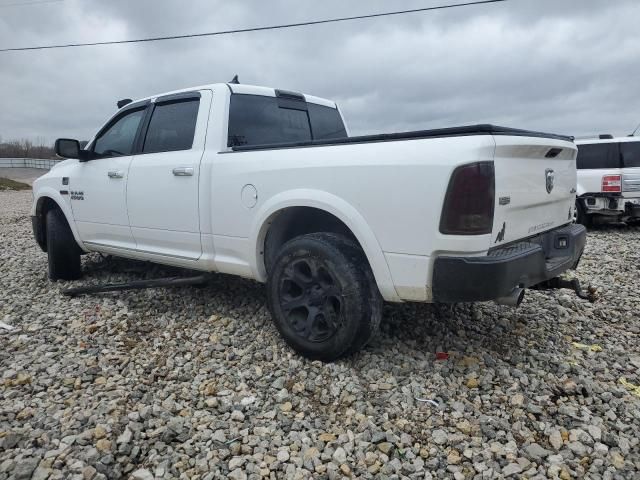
163	183
97	187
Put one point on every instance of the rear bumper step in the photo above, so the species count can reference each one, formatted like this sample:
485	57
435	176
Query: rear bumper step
520	265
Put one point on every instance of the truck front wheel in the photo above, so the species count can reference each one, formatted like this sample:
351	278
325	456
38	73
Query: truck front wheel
62	249
323	297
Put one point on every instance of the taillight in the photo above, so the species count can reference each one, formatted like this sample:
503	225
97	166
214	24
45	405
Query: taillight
612	183
469	202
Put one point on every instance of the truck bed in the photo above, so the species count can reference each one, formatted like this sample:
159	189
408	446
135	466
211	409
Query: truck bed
481	129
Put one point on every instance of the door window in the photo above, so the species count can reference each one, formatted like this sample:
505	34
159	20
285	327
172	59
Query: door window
172	126
118	138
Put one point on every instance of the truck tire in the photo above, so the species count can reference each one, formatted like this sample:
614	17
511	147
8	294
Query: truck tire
322	296
581	216
62	249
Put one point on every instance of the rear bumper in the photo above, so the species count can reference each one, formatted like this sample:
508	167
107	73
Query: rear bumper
613	204
602	203
522	264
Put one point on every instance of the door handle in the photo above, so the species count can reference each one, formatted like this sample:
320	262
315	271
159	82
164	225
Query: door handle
116	174
183	171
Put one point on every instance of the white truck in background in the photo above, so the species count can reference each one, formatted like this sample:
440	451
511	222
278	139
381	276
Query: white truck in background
608	179
267	184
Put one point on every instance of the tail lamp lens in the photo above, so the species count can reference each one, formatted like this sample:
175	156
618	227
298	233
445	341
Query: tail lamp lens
469	201
611	183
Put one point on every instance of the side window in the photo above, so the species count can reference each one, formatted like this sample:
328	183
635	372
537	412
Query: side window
326	122
630	154
598	155
172	126
118	138
258	120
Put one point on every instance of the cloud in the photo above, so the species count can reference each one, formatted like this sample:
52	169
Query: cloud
561	66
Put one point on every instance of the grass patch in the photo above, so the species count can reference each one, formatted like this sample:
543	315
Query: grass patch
7	184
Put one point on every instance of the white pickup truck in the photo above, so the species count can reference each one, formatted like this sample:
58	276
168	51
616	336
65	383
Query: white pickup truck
267	184
608	179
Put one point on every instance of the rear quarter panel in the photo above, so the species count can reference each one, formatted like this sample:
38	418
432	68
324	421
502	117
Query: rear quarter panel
590	180
397	187
389	193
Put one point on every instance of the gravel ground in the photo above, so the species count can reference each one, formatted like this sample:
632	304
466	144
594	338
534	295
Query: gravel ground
196	383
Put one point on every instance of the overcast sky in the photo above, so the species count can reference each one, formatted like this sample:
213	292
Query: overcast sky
565	66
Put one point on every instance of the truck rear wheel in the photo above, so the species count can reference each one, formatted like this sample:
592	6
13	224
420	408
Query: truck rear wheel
323	297
62	249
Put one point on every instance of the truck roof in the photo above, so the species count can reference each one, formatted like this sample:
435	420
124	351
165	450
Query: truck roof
241	88
583	141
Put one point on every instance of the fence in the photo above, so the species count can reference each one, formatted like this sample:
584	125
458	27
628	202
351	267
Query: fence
43	163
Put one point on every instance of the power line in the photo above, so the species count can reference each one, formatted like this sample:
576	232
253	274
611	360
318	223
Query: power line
255	29
34	2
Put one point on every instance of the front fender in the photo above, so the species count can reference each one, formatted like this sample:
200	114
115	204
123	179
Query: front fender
334	205
59	199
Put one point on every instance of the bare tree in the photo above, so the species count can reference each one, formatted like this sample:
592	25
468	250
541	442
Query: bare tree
25	148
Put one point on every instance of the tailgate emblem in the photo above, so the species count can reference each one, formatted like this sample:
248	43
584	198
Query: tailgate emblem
550	177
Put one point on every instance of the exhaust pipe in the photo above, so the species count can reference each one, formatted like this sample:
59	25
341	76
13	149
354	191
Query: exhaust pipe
514	299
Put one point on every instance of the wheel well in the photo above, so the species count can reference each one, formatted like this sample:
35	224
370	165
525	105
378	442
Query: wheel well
43	206
295	221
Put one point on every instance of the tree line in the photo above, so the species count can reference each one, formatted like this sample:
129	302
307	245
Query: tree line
26	149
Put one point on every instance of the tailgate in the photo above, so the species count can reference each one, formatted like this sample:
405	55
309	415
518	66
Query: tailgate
535	186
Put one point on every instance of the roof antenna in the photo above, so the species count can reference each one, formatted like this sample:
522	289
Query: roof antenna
123	102
235	80
634	132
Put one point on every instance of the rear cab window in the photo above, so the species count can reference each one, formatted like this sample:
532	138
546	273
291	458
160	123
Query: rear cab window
326	122
598	156
262	120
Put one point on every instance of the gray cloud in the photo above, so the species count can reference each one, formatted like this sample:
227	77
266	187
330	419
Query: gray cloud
556	65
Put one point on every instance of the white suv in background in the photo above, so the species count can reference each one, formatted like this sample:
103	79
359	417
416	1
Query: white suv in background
608	179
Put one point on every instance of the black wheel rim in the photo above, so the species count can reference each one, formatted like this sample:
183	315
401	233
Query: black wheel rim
311	300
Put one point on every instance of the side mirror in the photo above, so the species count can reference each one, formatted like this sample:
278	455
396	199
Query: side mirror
70	148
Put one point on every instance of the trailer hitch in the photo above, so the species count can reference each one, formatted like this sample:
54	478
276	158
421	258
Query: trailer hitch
138	285
572	284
